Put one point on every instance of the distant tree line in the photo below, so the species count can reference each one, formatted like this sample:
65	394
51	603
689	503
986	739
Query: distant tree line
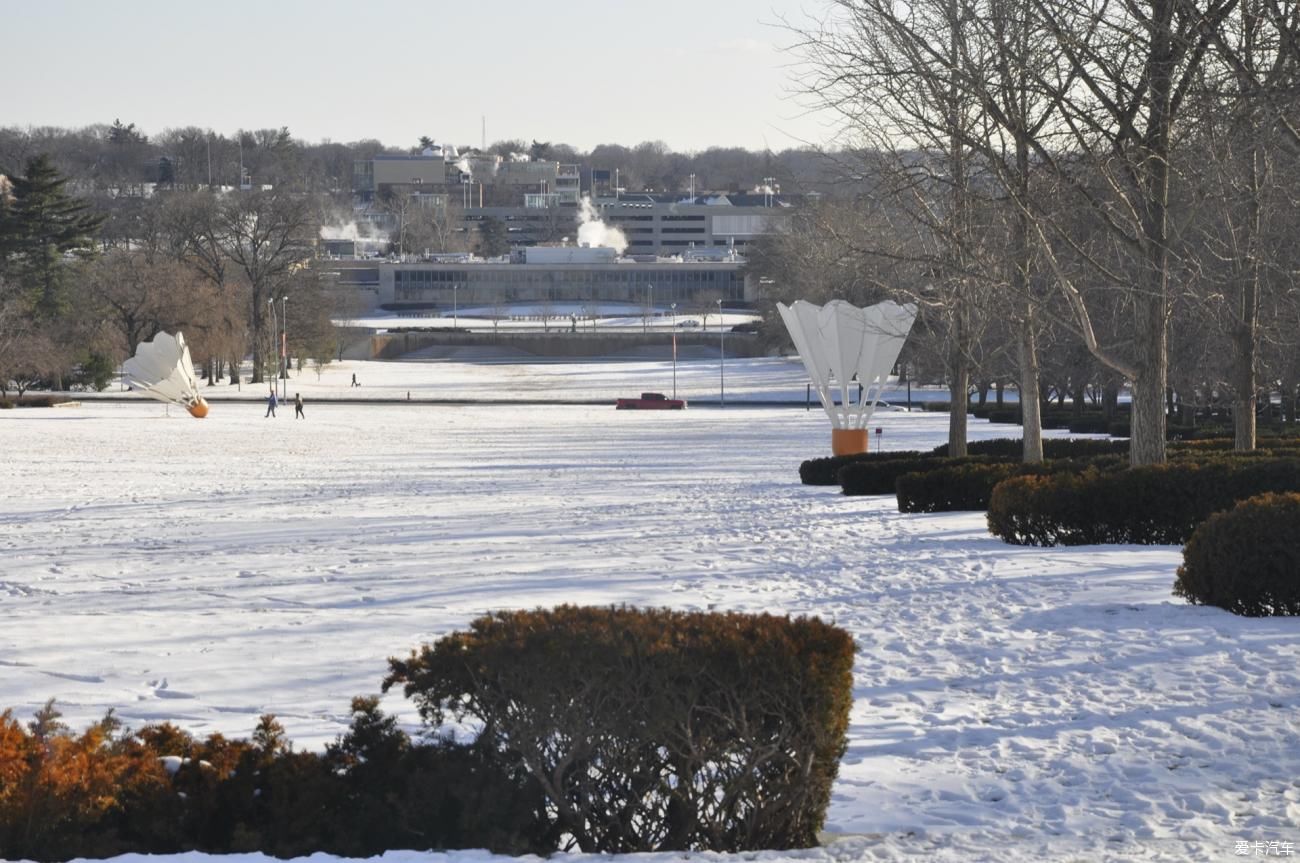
109	233
104	159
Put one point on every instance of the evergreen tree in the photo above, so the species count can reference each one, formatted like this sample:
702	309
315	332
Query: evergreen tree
119	134
41	225
493	240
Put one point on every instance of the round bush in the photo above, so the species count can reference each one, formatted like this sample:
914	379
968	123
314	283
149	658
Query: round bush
1246	560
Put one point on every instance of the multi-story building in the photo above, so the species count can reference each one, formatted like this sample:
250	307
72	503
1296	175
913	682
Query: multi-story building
667	225
537	201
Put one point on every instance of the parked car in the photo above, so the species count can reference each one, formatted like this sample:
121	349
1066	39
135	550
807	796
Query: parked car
651	402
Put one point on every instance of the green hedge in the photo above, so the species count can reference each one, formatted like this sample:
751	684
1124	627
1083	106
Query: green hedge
1052	447
653	730
869	477
1152	505
1246	559
826	470
952	487
969	486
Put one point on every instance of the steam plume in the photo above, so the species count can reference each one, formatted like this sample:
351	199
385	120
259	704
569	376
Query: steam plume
593	232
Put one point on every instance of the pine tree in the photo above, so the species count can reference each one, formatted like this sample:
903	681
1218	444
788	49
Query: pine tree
493	239
41	225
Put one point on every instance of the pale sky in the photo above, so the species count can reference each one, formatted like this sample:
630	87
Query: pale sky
692	73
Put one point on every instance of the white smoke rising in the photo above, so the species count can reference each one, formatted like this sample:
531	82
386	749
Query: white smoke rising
465	167
347	231
593	232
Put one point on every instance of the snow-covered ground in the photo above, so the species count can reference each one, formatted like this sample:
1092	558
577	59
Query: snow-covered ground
582	316
490	378
1010	703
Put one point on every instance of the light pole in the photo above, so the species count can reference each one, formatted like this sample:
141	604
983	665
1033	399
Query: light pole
455	307
722	360
275	329
284	343
673	319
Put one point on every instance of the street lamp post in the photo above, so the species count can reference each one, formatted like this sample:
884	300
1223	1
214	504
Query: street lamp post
455	307
722	360
275	329
284	343
673	320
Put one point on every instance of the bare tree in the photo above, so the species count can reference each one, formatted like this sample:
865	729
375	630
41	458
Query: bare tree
1109	80
1243	103
268	236
887	73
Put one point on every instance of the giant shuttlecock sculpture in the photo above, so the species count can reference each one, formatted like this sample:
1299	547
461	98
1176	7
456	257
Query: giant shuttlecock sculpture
161	367
843	346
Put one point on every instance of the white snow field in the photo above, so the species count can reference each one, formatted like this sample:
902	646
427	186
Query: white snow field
1010	703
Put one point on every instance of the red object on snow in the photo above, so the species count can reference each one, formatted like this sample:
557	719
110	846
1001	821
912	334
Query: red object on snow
651	402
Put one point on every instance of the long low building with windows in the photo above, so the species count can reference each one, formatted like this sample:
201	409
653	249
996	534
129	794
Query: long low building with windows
596	279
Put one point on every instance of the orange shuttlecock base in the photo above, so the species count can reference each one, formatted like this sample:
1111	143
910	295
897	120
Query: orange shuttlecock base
848	441
199	409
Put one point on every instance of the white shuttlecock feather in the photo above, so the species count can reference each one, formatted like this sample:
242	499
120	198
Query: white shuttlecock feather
843	346
162	368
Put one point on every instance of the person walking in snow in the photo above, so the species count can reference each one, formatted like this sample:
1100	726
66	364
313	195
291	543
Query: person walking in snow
297	407
354	380
271	402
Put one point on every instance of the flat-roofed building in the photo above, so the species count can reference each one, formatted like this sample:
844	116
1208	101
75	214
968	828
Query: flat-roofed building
596	278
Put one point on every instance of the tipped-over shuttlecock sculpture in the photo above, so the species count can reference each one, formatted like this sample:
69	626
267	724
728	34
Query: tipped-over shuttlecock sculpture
842	346
161	367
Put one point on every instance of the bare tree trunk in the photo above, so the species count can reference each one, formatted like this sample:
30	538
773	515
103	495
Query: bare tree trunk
1245	398
958	380
1031	417
1147	440
958	387
1245	335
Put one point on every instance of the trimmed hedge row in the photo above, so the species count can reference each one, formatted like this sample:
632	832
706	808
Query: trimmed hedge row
826	471
1151	505
870	477
969	487
1246	559
1052	447
952	487
646	729
880	474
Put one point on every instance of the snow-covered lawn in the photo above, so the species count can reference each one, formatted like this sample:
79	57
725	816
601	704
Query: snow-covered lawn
1011	703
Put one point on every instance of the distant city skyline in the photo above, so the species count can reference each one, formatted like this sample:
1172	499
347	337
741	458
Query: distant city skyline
689	73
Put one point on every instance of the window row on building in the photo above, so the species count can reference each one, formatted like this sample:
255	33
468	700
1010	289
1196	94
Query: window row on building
431	287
